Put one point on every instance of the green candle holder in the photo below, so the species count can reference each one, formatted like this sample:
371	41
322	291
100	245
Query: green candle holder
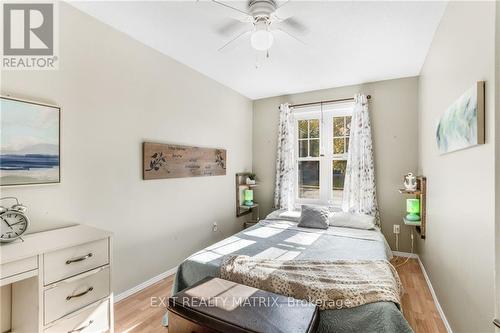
248	198
413	209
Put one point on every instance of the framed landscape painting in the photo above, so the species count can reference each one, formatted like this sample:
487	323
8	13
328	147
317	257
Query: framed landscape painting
462	124
30	143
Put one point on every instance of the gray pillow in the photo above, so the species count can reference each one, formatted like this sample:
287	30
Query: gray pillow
314	217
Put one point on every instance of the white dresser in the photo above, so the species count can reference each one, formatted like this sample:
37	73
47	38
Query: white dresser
57	281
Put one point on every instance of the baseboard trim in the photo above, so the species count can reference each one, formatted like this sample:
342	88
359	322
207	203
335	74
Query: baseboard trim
405	254
144	285
434	297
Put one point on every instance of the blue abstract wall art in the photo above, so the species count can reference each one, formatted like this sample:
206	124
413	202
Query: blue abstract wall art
29	151
462	124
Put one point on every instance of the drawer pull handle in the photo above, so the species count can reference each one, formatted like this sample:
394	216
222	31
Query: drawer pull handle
82	258
80	294
81	328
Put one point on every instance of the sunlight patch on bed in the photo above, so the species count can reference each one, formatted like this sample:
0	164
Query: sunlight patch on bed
205	256
276	253
229	248
223	242
220	249
296	247
264	232
303	238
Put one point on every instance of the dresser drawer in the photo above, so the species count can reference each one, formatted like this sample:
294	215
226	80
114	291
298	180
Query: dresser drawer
95	318
72	261
74	293
18	267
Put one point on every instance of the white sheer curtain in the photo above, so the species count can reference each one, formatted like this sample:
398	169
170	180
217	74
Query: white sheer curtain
360	193
284	192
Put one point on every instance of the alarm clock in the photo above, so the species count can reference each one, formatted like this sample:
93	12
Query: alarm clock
13	221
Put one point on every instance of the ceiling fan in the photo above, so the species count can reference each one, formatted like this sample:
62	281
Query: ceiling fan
261	21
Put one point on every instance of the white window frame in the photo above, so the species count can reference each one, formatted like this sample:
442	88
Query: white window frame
326	139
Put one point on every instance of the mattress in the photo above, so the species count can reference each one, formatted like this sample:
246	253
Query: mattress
284	240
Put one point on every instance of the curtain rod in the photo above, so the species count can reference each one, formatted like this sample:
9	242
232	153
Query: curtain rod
327	102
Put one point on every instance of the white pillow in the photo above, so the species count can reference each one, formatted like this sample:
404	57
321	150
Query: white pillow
291	215
350	220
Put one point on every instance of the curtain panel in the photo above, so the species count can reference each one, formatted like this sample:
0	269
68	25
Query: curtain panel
360	193
284	193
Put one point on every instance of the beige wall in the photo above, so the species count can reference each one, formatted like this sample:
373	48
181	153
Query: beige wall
458	253
115	93
393	110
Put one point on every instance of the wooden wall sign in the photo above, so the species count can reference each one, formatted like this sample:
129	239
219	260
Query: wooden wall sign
162	161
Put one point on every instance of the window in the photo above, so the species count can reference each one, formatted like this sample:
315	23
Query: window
322	144
341	129
308	158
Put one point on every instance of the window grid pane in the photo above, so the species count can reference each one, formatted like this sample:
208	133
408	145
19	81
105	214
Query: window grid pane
338	124
314	128
303	148
308	132
338	178
341	132
302	129
308	179
314	148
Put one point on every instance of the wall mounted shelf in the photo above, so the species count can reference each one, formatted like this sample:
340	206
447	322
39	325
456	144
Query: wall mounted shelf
242	209
412	223
419	193
249	207
405	191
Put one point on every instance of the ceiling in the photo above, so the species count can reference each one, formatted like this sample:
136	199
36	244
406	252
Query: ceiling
346	43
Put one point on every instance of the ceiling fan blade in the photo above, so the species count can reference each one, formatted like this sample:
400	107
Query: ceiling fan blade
233	43
291	35
289	23
237	13
294	24
231	27
284	3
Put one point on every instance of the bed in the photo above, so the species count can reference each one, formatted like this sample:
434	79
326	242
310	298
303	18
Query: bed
284	240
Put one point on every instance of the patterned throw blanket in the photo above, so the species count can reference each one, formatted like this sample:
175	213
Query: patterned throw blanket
329	284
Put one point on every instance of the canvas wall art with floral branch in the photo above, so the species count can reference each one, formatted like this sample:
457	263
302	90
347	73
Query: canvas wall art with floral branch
162	161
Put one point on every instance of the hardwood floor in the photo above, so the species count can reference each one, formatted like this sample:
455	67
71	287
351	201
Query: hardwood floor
142	312
418	306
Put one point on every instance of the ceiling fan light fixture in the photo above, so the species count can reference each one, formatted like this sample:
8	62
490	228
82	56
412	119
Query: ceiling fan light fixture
262	39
